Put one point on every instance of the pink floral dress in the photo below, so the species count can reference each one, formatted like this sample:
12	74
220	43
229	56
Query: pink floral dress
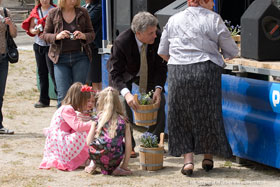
107	153
65	146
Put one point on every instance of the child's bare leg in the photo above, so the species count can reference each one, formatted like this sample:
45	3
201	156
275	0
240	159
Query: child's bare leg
90	168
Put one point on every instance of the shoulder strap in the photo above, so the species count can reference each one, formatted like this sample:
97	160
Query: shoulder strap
5	12
40	13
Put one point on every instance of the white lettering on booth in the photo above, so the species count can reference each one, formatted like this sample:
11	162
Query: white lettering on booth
275	97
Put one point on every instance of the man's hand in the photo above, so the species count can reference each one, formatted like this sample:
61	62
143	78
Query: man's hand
157	96
130	101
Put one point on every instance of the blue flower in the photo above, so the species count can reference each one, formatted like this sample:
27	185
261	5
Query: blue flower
149	140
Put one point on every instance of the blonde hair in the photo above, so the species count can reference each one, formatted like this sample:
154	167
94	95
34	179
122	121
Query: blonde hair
61	3
76	98
109	109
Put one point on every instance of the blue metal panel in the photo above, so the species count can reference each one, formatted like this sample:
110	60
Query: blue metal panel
252	120
104	18
216	8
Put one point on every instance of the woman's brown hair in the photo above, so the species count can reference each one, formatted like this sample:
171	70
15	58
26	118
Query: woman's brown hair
76	98
195	2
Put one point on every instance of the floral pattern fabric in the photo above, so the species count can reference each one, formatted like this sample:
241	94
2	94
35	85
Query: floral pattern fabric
107	153
195	121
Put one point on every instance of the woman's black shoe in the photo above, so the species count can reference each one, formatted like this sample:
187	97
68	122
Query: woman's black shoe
187	172
40	105
207	167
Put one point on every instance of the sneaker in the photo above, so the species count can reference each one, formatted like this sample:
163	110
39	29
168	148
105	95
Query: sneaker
6	131
40	105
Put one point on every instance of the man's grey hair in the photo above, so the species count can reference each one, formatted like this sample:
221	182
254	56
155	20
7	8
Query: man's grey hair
142	20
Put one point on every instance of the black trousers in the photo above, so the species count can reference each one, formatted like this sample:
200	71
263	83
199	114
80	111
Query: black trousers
45	67
95	68
154	129
4	67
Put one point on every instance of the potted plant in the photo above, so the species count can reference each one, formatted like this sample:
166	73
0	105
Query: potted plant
146	114
235	32
151	154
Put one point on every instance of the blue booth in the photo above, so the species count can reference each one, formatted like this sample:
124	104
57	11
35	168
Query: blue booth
251	111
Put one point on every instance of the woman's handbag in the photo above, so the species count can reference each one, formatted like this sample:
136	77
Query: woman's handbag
12	52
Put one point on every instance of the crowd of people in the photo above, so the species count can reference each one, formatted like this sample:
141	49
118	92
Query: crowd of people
93	127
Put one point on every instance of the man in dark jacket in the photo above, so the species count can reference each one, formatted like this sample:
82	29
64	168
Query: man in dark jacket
125	61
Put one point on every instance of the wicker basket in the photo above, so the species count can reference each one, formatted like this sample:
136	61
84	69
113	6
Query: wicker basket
151	159
146	115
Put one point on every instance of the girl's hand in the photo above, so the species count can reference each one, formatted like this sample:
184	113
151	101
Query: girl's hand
62	35
79	35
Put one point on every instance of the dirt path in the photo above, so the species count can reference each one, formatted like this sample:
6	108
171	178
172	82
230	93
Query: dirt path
21	153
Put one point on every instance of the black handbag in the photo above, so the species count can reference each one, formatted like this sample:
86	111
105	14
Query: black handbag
12	52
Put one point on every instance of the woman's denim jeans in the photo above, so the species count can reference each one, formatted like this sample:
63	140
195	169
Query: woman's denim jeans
71	68
4	66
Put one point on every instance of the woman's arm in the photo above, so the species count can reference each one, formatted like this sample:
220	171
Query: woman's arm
88	35
32	29
12	26
48	35
225	42
70	117
164	57
91	133
128	147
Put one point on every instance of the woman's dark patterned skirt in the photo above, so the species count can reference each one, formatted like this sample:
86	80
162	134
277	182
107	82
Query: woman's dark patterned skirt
195	121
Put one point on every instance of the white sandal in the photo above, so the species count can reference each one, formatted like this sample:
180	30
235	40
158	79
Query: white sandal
6	131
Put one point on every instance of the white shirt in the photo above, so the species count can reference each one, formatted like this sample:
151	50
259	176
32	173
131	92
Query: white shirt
196	35
38	40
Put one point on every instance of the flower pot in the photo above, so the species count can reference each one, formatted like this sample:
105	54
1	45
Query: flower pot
237	39
151	159
145	115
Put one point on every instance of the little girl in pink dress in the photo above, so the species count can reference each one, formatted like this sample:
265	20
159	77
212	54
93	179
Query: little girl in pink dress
65	146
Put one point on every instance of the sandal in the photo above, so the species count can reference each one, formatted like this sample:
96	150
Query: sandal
207	167
121	172
6	131
188	172
133	154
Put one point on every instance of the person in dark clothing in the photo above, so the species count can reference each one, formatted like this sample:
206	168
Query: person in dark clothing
4	64
94	77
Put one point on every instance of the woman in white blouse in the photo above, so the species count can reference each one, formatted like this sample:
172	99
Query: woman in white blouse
191	43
